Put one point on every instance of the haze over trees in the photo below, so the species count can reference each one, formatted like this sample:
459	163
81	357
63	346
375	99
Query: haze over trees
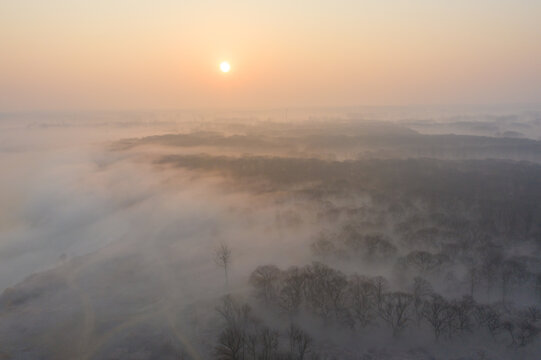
334	239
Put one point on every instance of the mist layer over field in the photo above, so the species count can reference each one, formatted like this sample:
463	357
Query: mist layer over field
348	233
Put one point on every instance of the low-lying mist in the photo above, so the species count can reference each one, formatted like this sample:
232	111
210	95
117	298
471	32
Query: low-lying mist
338	234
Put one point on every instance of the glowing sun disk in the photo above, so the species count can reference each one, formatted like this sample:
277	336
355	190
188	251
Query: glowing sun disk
225	67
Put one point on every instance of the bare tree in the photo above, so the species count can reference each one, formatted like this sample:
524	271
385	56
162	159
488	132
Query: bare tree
269	344
488	317
299	342
222	257
421	290
381	284
521	332
291	295
240	337
394	310
462	314
265	281
362	299
230	344
438	313
325	290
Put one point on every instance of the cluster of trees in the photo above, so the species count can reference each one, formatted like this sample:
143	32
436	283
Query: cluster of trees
245	337
365	247
501	190
478	268
357	302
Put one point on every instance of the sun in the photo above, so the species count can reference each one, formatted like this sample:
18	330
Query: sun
225	67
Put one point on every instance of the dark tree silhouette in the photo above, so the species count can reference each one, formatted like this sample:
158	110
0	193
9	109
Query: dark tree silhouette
291	295
421	290
439	314
362	299
265	280
222	257
395	310
299	342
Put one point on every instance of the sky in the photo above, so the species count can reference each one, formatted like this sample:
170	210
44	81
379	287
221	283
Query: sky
165	54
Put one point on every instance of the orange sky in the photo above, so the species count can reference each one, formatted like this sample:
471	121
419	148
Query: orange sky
132	54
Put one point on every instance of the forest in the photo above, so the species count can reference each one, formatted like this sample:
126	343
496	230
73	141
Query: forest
316	240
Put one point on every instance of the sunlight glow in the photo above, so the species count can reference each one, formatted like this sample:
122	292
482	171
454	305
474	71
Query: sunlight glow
225	67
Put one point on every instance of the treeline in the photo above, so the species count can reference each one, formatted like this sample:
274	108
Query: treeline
378	139
356	304
504	197
359	301
479	269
